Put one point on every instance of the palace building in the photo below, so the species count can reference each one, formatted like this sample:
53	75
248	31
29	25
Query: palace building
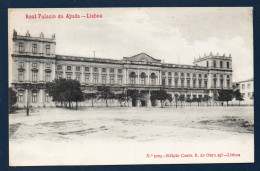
34	62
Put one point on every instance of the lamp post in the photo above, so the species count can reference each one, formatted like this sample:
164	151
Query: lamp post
27	107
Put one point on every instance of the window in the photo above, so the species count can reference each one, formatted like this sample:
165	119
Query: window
182	83
200	84
34	65
119	70
163	82
95	69
69	68
20	75
227	76
48	50
34	49
34	97
205	76
188	74
132	80
170	82
215	75
215	83
119	80
248	94
194	83
194	75
78	77
206	84
59	67
104	79
68	76
227	64
143	80
214	64
199	75
163	73
20	97
87	69
77	68
169	74
112	70
21	47
34	76
86	78
182	74
112	79
95	79
221	84
47	65
248	85
153	80
188	83
221	64
207	63
176	82
243	86
21	64
47	76
176	74
47	97
104	70
228	84
59	75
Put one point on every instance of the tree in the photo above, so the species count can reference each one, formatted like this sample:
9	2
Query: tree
176	96
225	95
181	99
65	91
205	99
122	97
188	100
12	99
90	96
238	96
105	93
134	95
160	95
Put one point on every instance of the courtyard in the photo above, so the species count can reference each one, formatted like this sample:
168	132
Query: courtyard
124	135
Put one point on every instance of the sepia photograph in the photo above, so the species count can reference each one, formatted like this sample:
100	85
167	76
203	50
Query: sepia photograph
120	86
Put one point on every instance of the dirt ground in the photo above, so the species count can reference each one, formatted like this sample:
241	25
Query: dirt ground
121	135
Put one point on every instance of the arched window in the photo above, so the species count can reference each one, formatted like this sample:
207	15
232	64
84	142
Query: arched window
227	64
132	77
221	64
20	96
34	96
153	79
143	78
214	64
207	63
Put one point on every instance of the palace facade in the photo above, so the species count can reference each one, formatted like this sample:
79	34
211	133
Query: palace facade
34	62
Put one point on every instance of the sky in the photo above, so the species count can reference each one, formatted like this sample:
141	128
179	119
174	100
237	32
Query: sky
174	35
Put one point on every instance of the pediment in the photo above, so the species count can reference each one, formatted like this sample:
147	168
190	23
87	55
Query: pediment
142	57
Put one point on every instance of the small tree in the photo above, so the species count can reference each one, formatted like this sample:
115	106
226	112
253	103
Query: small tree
238	96
225	95
105	93
91	96
206	99
134	95
122	97
12	99
181	99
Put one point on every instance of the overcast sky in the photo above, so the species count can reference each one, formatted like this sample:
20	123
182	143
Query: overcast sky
168	34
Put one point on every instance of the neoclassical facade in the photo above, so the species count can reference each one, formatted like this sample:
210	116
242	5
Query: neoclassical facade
34	62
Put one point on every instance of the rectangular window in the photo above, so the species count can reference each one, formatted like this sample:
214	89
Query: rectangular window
153	81
176	74
95	69
243	86
248	86
119	80
68	76
47	65
205	76
77	68
228	84
20	97
78	77
163	73
199	75
170	82
132	80
34	49
21	47
248	95
215	83
59	67
47	76
188	83
104	79
143	80
227	64
188	74
194	75
169	74
120	71
182	83
206	84
194	84
95	79
48	50
221	64
227	76
104	70
34	97
87	69
59	75
200	84
34	65
214	64
176	82
86	78
163	82
182	74
112	80
20	76
47	97
69	68
34	76
21	64
221	84
112	70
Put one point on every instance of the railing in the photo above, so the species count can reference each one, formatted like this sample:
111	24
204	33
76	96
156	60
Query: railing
33	54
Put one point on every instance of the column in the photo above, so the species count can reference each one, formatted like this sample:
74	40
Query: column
138	76
41	72
82	75
91	75
148	77
27	76
52	71
41	96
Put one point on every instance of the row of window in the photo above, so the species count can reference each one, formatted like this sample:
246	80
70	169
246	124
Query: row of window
220	64
187	74
34	65
35	48
34	97
244	86
87	69
34	76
